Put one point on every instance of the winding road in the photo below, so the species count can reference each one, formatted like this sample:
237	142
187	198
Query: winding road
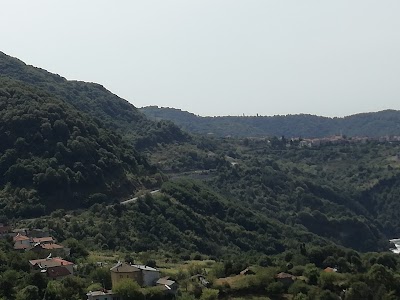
135	198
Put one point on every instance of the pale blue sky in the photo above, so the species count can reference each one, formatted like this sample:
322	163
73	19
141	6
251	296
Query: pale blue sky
220	57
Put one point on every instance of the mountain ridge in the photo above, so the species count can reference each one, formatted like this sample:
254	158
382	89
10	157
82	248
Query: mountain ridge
63	147
97	101
373	124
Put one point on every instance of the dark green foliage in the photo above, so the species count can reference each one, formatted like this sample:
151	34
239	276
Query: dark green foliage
30	292
66	146
93	99
77	249
52	156
101	275
328	295
129	290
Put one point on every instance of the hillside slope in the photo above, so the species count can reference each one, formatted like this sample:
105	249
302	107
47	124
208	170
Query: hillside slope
307	126
53	156
93	99
62	148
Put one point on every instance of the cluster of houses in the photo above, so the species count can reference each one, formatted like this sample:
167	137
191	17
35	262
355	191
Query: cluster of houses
54	267
38	241
287	279
144	275
339	139
41	242
25	239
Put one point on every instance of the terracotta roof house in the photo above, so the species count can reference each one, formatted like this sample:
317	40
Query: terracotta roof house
19	237
21	242
51	246
44	240
54	249
48	262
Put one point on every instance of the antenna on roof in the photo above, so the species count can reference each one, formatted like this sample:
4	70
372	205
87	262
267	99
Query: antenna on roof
49	256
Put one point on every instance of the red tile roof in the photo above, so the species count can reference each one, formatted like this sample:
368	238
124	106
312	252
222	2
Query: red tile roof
62	261
50	262
51	246
43	239
20	237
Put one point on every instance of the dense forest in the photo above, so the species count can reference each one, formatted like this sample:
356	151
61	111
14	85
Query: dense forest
306	126
115	113
53	156
70	152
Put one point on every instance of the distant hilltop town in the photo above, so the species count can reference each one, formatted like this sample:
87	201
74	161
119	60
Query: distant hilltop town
283	142
340	139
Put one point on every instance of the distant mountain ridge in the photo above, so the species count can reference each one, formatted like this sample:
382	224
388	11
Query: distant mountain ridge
374	124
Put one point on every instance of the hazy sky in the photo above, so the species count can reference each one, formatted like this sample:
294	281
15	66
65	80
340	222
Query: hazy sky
215	57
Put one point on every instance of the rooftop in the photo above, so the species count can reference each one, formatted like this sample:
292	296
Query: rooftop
51	246
122	267
43	239
20	237
165	281
50	262
146	268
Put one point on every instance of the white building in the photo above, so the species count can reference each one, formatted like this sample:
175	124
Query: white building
149	275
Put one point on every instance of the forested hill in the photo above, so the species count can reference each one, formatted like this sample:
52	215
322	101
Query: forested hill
54	156
93	99
374	124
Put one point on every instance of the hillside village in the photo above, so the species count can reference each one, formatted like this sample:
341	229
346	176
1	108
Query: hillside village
56	267
144	275
54	264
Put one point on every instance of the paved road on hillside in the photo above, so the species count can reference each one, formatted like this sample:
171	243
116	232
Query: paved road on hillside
135	198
